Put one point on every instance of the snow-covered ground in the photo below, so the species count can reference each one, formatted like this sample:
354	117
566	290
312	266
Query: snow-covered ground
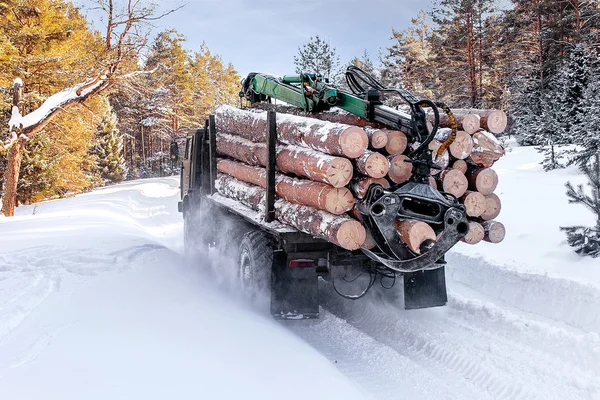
96	301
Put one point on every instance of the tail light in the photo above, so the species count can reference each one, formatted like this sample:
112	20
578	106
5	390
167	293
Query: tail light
302	263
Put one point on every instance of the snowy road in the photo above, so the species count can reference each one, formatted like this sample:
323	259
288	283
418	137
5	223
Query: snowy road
97	302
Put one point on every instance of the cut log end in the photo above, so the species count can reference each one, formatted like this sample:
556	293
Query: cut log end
415	234
475	203
460	165
400	170
339	173
462	146
454	182
379	139
351	235
476	233
339	201
484	181
497	121
373	164
396	143
494	231
354	142
471	123
492	207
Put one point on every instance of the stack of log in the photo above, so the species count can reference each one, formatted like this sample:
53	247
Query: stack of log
328	160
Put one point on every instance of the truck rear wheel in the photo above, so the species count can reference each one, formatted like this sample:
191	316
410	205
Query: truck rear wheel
255	263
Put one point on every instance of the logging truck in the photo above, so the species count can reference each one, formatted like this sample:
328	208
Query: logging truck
335	185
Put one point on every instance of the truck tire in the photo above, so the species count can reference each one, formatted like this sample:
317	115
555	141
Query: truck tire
255	264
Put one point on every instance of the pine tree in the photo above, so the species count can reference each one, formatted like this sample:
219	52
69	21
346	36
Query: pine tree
318	57
364	62
110	163
586	240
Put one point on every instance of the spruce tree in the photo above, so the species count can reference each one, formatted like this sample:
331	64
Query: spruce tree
318	57
586	240
110	163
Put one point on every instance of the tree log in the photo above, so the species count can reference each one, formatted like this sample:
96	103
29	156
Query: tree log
400	170
474	203
483	180
486	149
335	139
417	235
361	185
462	146
494	231
370	242
319	167
372	164
466	120
443	160
313	194
454	182
342	231
470	120
433	182
397	142
460	165
377	138
492	207
476	233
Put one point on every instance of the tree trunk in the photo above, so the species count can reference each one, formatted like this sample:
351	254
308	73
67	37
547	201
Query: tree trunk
313	194
483	180
476	233
486	149
494	231
342	231
14	157
335	139
417	235
319	167
372	164
454	182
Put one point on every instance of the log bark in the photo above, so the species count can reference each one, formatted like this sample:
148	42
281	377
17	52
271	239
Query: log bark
492	207
494	231
313	194
486	149
462	146
396	143
454	182
372	164
361	185
483	180
460	165
476	233
378	138
474	203
341	231
417	235
470	120
319	167
400	170
335	139
466	120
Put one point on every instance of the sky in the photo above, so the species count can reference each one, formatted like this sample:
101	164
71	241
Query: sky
264	35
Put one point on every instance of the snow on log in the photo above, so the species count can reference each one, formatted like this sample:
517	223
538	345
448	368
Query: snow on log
342	231
486	149
476	233
417	235
443	160
492	207
483	180
328	137
454	182
361	185
372	164
474	203
313	194
400	170
494	231
460	165
462	146
396	143
319	167
377	138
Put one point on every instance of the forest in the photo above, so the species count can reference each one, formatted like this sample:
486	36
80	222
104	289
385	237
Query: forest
537	60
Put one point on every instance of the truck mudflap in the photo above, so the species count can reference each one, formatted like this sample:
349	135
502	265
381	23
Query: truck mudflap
424	289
